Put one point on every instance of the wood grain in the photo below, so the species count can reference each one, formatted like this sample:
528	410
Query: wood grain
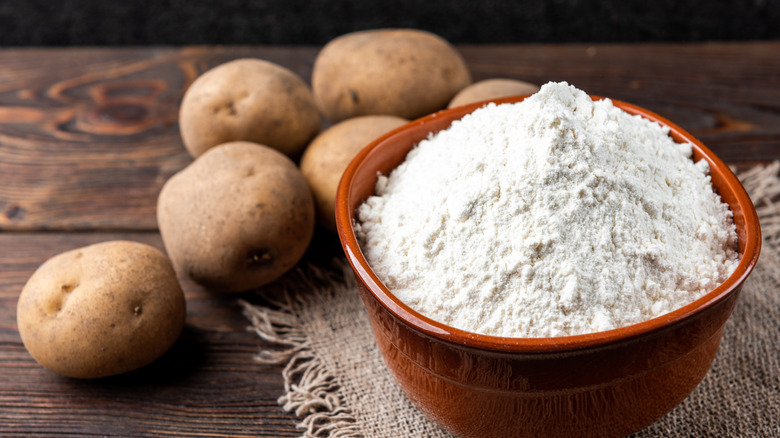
725	94
89	135
206	385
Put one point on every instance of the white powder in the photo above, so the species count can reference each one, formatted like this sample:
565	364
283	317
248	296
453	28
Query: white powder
554	216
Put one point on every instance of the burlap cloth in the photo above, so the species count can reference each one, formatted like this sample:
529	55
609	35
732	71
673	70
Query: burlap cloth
337	382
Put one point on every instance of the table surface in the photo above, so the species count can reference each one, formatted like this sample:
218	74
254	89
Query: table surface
88	136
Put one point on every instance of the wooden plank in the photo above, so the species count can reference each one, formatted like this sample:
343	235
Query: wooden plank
207	384
88	136
725	94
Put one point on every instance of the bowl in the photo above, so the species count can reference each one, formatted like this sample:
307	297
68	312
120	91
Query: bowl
610	383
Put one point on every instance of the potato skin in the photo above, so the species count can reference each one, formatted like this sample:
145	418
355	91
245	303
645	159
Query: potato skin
403	72
492	89
252	100
327	156
236	218
101	310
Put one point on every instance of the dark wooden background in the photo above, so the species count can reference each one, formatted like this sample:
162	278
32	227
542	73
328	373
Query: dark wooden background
89	135
278	22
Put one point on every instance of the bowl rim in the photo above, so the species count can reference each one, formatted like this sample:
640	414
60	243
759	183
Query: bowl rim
452	335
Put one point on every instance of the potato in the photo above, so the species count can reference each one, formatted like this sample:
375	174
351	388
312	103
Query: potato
328	155
402	72
101	310
251	100
492	89
236	218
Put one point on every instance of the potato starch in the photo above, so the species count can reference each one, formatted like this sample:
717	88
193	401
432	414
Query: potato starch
555	216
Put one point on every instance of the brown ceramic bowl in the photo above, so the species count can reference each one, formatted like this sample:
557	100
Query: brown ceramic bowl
602	384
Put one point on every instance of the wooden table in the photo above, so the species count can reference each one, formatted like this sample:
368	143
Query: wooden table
88	136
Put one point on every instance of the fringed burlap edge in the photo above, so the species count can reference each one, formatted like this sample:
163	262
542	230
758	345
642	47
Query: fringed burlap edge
312	391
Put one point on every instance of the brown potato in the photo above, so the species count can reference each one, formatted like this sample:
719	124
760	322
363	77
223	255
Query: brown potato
101	310
236	218
402	72
492	89
328	155
251	100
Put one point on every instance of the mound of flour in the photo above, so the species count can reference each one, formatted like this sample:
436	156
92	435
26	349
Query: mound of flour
551	217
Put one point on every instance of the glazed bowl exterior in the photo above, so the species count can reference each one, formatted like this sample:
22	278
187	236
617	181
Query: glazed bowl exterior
610	383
